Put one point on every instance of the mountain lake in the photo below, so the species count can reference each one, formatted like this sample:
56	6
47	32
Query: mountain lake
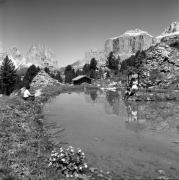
138	139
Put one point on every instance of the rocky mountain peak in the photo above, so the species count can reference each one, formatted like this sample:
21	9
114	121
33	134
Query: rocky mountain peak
135	32
129	43
173	28
15	55
170	35
42	56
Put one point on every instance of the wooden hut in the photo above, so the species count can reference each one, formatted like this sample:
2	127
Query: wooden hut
81	79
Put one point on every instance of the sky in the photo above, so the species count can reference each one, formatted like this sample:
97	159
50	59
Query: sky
72	27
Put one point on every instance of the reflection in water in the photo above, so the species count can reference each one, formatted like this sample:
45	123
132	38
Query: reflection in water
93	95
134	122
117	134
113	102
158	116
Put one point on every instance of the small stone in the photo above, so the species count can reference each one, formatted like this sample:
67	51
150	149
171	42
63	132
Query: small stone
83	177
100	175
162	172
93	169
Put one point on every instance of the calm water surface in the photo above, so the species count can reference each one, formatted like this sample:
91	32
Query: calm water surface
124	137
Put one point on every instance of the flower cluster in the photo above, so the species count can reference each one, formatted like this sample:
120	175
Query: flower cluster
70	161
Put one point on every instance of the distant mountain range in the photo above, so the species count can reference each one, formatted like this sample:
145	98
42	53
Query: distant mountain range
129	43
38	55
123	46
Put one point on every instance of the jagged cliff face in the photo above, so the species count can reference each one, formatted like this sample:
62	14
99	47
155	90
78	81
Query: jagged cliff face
170	35
98	55
38	55
15	55
173	28
41	56
129	43
18	59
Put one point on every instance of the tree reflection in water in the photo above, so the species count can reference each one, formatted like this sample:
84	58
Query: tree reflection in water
155	116
113	102
92	94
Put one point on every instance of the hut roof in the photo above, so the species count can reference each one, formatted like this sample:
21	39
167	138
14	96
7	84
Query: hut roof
80	77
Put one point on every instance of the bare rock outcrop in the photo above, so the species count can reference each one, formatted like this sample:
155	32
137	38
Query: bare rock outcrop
171	34
38	55
129	43
41	56
15	55
161	66
97	54
42	79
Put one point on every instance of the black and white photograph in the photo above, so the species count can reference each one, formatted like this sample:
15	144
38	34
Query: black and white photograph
89	89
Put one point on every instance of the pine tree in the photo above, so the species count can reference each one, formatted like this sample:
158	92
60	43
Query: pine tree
79	72
86	69
93	64
56	75
8	76
112	63
30	74
69	74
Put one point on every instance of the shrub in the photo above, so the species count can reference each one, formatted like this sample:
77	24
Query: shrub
69	161
30	74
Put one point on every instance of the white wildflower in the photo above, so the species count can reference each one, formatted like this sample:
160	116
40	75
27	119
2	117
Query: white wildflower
79	150
85	165
49	164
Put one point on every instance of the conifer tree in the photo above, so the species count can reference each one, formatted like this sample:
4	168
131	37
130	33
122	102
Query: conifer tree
93	64
30	74
69	74
8	76
112	63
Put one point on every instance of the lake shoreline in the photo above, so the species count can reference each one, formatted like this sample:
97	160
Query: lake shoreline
25	144
137	131
24	138
25	141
